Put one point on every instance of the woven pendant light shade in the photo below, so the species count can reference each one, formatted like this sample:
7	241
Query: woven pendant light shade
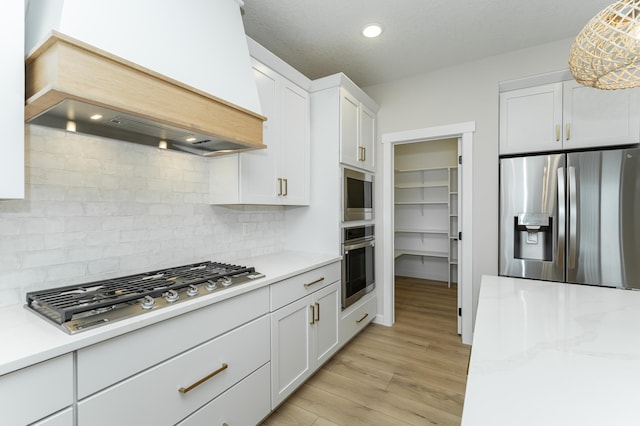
606	53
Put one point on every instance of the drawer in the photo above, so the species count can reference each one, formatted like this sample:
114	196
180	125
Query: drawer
108	362
294	288
152	397
246	403
34	392
357	316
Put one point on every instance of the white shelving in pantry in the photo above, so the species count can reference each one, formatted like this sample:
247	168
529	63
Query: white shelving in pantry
426	221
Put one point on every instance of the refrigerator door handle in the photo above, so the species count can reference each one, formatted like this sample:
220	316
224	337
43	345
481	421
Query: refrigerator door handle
561	218
573	217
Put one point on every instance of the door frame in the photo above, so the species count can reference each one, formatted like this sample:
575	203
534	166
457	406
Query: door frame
464	132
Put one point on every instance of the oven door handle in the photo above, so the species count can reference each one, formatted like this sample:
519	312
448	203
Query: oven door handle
346	248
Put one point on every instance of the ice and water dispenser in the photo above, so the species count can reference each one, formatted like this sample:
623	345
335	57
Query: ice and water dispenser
533	236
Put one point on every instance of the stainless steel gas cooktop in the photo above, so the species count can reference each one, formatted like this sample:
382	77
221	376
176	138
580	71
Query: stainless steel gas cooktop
79	307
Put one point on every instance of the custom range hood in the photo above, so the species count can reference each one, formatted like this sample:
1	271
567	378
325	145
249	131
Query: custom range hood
74	86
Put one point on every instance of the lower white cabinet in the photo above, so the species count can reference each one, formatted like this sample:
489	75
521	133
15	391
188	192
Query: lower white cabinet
304	334
176	388
354	319
37	391
246	403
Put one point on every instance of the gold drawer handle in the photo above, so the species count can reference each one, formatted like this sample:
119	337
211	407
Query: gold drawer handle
204	379
314	282
362	319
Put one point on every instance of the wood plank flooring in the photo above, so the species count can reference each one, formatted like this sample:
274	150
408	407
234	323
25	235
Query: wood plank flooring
413	373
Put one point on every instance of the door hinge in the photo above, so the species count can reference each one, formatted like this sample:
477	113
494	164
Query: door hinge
459	236
460	159
459	312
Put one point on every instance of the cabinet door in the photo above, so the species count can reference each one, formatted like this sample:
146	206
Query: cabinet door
367	138
294	153
258	180
531	119
290	348
349	116
327	303
595	117
12	100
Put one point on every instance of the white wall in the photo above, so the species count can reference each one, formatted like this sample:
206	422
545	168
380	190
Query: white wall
98	208
463	93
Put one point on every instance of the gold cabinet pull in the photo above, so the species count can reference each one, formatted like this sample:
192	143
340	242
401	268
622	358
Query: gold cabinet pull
364	153
568	131
557	133
204	379
279	186
314	282
313	314
318	311
362	319
286	187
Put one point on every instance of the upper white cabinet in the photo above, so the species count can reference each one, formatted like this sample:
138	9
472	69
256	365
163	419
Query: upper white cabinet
278	175
357	132
566	115
12	100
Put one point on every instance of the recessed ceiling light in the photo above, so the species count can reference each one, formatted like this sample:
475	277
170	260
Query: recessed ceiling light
191	139
96	117
371	30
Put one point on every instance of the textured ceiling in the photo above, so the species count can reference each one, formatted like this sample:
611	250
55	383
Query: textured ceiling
322	37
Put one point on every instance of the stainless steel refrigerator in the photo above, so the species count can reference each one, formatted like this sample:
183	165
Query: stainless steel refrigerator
572	217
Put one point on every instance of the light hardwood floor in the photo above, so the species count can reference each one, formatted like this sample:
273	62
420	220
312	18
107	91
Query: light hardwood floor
413	373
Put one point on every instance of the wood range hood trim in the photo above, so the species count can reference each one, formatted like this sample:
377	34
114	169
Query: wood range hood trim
63	69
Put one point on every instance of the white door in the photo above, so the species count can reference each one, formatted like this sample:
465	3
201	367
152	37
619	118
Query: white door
294	153
531	119
258	179
367	138
327	305
290	348
594	117
349	115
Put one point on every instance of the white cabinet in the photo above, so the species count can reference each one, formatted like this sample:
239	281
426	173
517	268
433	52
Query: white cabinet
171	391
63	418
355	318
12	100
304	328
278	175
566	115
357	132
37	391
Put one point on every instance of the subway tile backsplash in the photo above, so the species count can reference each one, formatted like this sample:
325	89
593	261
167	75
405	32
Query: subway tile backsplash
97	208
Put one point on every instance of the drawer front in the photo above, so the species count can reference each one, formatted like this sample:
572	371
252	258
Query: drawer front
108	362
34	392
357	319
152	397
294	288
246	403
63	418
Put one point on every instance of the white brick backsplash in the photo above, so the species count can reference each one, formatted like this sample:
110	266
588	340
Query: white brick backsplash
98	208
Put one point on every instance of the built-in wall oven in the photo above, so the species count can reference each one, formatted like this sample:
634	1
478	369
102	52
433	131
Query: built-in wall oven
358	247
357	195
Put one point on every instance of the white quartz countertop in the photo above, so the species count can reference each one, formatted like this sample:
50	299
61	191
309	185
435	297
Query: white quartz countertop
26	339
553	354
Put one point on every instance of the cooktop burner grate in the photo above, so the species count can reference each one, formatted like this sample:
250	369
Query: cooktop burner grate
62	303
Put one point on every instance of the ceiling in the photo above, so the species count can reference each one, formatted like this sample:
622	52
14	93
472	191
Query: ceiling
322	37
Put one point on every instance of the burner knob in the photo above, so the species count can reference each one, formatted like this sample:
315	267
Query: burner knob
225	281
192	290
171	296
148	302
210	285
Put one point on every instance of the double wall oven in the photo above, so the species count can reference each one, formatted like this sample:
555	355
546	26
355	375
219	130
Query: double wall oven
358	236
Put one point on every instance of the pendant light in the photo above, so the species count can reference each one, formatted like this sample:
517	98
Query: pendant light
606	53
